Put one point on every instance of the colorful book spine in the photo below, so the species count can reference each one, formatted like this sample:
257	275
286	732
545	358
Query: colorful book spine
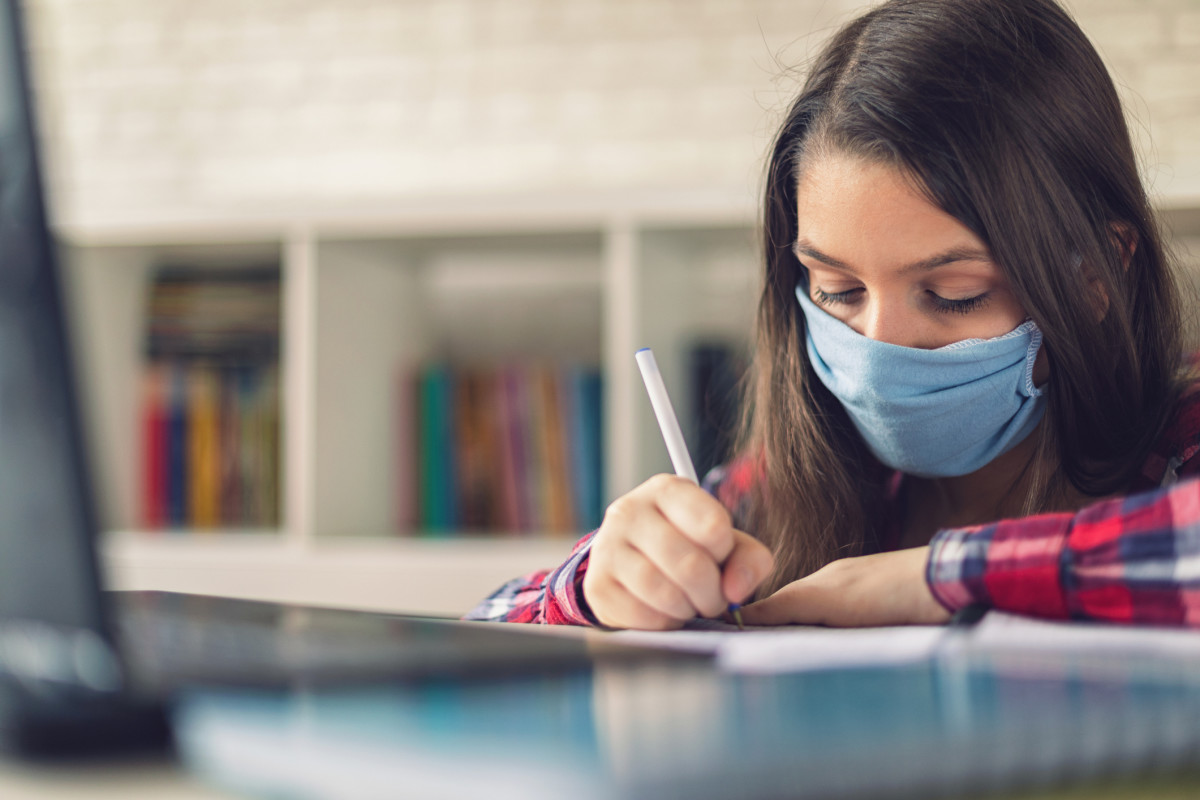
560	517
230	436
249	456
177	461
591	441
155	398
491	484
536	461
203	444
210	447
210	418
438	484
516	449
406	438
586	453
518	434
271	466
508	453
472	467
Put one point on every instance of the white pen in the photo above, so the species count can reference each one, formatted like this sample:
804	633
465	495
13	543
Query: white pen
668	423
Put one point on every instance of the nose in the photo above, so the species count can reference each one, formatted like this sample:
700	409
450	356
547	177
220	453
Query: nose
889	321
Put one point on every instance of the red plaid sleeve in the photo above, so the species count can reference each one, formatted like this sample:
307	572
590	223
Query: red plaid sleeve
1129	559
553	597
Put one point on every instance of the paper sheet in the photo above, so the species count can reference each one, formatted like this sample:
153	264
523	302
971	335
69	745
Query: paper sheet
1020	640
825	648
793	647
1008	632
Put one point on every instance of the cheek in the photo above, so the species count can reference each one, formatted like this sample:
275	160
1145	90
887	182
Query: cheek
1002	315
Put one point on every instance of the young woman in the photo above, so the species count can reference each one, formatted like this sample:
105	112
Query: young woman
969	381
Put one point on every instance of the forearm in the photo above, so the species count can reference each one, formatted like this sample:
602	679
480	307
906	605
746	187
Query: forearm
1130	559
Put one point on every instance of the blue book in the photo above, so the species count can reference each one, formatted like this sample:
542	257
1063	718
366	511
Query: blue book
437	478
177	456
430	458
448	492
590	447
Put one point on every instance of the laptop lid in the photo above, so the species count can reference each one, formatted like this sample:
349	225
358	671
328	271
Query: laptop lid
53	622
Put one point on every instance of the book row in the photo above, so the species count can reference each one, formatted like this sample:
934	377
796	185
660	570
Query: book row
513	449
210	446
230	316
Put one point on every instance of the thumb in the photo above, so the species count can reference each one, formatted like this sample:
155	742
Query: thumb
748	565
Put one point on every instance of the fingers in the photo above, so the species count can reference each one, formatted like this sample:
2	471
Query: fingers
694	513
656	560
685	565
748	565
646	581
617	606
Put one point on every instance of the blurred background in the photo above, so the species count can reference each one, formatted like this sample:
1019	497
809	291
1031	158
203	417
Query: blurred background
357	285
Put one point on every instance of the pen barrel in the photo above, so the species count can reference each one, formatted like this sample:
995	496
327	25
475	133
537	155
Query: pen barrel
681	460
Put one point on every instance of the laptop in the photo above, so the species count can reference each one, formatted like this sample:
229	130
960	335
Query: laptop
82	669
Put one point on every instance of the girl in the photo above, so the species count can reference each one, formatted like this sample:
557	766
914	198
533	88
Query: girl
967	316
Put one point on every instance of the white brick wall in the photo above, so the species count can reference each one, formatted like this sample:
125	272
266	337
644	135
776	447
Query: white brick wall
173	106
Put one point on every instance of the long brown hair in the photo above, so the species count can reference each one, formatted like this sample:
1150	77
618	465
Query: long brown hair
1004	115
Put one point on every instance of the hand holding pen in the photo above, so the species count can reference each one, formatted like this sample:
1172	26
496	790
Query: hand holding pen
666	552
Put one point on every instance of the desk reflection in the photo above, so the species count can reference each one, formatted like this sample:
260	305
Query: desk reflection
950	727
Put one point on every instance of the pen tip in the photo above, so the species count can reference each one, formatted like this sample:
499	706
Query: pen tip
735	610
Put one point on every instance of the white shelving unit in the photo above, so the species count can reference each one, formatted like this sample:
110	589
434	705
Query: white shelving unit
366	291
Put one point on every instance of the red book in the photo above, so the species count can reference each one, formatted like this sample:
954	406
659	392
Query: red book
154	447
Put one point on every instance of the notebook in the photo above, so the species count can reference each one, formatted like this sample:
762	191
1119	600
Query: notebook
82	669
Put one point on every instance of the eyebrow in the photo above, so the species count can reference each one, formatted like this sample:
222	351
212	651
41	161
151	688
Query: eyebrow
951	256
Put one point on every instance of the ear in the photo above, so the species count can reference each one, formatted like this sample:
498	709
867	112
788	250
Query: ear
1124	240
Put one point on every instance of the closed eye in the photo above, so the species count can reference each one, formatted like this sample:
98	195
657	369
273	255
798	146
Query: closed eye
964	306
834	298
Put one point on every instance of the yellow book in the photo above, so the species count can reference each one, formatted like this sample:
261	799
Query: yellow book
270	415
557	485
204	456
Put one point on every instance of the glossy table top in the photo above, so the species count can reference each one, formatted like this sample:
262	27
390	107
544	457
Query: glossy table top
955	726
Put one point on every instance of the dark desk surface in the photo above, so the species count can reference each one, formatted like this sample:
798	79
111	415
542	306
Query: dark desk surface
951	728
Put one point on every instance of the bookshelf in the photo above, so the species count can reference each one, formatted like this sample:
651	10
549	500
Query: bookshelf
365	289
560	279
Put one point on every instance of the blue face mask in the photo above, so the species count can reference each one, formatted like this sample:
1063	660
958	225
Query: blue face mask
930	413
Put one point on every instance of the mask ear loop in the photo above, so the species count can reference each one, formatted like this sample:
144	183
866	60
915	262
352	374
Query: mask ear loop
1035	344
1036	338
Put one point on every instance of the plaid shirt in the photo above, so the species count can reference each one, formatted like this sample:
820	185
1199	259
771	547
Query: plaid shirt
1129	559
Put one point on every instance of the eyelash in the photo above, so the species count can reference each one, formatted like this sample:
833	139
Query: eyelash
940	304
964	306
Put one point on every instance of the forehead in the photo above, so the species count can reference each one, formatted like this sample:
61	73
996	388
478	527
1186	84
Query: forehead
860	210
